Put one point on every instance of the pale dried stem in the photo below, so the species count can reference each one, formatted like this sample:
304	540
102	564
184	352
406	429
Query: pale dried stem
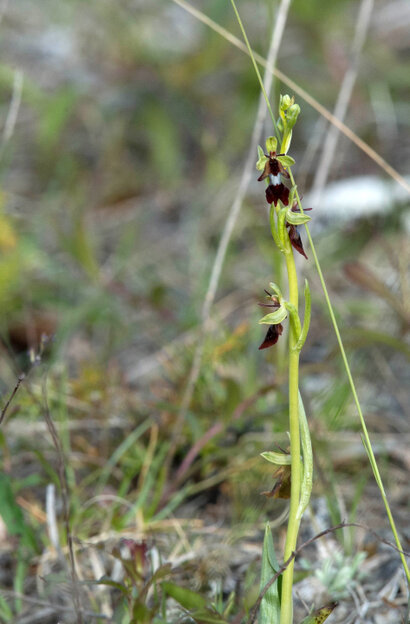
66	505
297	90
231	220
14	107
342	102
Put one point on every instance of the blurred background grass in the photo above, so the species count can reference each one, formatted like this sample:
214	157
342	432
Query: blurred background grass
124	130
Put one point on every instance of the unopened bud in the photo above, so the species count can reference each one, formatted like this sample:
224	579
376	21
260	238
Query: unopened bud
285	102
292	115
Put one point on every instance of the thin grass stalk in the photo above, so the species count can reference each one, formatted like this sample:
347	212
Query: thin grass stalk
298	90
331	138
76	595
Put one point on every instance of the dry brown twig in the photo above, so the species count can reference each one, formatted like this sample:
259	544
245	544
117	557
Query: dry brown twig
304	95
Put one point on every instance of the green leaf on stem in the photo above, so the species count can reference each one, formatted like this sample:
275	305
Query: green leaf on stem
294	318
296	218
270	605
279	459
307	478
274	318
306	318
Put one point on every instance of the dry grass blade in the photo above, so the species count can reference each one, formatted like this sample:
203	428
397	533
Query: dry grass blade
245	179
49	609
343	99
14	107
66	505
362	275
362	145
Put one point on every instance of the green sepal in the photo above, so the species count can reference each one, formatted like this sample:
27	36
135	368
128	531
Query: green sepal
271	144
269	612
276	290
262	158
274	318
296	218
286	161
279	459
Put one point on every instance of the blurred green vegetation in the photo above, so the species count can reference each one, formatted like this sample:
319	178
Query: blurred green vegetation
116	183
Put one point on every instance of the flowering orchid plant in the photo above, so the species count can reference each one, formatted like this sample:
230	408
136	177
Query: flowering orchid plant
294	470
286	214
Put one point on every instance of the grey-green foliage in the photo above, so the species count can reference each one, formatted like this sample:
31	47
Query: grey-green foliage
339	573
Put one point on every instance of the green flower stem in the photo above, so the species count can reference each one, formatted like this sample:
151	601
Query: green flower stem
286	615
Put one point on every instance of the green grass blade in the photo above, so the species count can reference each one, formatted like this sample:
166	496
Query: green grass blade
270	606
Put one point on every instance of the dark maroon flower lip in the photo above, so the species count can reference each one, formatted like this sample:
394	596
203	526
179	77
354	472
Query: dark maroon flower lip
276	192
294	234
295	240
272	336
